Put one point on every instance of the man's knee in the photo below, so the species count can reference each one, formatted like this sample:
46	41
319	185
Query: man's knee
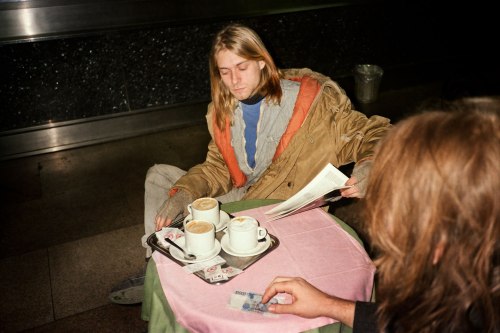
156	175
153	172
163	174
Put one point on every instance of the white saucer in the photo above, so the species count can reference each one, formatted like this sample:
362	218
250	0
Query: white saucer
177	254
223	220
261	247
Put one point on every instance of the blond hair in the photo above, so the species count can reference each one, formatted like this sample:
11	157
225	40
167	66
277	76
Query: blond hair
245	43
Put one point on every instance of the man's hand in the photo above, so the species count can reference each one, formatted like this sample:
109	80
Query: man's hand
308	301
359	180
305	297
172	207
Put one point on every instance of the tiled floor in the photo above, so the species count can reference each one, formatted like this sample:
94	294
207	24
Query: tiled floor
71	228
72	222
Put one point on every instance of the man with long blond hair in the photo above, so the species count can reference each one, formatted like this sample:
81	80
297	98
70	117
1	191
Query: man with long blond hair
433	217
272	131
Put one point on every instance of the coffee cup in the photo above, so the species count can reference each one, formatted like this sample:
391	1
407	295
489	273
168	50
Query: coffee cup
244	233
206	209
199	237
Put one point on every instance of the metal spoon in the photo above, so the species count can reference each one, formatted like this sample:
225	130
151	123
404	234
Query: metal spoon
187	256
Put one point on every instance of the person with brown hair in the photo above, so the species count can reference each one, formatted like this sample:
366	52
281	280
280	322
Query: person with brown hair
433	217
271	130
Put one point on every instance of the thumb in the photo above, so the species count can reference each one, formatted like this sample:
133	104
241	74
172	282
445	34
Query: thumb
280	308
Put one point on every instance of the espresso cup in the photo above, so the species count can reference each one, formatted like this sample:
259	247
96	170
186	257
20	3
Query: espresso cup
206	209
244	233
199	237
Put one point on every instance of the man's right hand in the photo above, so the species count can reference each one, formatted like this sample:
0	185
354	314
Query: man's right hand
172	207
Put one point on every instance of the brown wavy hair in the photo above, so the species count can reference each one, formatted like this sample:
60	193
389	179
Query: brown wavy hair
245	43
435	187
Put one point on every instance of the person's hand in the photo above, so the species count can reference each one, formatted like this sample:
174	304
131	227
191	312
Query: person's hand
305	297
352	192
172	207
359	180
308	301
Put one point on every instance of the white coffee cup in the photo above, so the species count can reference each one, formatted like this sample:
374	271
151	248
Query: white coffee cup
244	233
206	209
199	236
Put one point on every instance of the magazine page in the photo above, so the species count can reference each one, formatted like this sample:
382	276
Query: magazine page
312	195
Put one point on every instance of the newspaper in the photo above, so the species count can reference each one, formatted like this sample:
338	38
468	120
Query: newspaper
317	193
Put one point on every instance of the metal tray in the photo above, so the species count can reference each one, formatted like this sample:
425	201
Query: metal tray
231	261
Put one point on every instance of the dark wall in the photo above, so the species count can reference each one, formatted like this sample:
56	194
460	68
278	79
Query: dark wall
115	72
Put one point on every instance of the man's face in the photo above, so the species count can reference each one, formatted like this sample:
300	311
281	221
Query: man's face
241	76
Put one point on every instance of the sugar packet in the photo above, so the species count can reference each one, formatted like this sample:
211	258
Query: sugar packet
198	266
218	273
214	274
166	232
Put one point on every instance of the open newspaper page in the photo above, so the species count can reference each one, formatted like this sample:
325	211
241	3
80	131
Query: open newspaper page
312	195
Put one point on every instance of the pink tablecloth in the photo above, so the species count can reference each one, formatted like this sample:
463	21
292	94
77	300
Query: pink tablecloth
312	246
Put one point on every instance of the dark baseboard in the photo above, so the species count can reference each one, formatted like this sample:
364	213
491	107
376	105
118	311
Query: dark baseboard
85	132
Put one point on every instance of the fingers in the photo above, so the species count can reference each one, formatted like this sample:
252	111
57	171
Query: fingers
161	222
282	279
269	293
278	285
351	181
352	192
280	308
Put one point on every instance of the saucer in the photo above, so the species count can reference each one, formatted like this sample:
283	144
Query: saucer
177	254
261	247
223	220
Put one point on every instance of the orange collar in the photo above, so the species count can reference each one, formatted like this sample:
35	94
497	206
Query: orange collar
309	88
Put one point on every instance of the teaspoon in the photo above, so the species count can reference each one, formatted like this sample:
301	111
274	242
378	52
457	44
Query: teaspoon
187	256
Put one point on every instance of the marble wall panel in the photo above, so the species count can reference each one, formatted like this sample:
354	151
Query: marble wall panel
58	80
113	72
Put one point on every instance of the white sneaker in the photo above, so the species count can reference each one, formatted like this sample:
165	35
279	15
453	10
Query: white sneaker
130	291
